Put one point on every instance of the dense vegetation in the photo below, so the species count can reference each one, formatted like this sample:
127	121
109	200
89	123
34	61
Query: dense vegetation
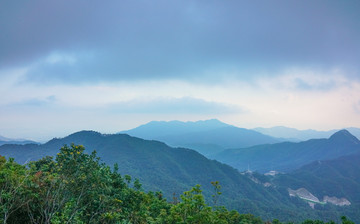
77	188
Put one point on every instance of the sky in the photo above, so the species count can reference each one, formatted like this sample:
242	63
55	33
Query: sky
109	66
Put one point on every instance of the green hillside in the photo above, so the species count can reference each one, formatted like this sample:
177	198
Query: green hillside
76	188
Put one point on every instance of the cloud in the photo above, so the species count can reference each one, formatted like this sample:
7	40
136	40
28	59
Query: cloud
184	105
133	40
305	85
305	80
32	110
34	102
357	107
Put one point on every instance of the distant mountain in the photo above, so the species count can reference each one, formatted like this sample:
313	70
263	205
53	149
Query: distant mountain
288	156
154	129
207	137
174	170
301	135
4	140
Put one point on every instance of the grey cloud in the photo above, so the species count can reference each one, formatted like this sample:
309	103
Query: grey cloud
186	105
178	39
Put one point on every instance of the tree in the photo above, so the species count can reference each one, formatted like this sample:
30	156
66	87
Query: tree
13	179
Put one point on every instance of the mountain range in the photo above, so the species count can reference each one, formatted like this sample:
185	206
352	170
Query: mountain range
288	156
174	170
322	173
207	137
170	170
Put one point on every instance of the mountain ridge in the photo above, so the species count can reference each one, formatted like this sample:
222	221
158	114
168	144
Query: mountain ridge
302	135
154	129
287	156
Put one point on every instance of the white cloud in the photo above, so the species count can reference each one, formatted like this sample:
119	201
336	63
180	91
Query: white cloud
170	105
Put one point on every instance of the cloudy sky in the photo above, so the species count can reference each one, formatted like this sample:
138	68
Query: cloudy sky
112	65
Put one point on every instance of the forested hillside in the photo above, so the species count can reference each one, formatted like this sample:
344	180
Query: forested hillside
76	188
336	180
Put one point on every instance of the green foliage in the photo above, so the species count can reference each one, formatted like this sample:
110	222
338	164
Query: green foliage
76	188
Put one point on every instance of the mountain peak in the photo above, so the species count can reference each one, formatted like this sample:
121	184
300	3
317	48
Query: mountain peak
344	135
200	122
85	133
155	129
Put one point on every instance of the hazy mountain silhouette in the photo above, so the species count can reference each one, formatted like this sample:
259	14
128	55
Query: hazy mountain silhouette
302	135
4	140
155	129
207	137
